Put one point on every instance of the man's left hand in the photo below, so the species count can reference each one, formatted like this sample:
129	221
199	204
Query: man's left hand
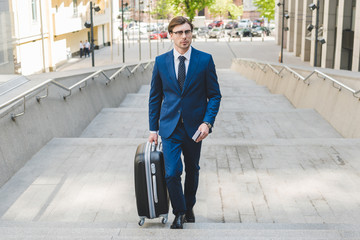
204	129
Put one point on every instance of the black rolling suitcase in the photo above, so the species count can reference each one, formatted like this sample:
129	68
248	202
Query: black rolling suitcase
152	198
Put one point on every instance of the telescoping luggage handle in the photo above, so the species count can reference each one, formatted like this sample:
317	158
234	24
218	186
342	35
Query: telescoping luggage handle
150	171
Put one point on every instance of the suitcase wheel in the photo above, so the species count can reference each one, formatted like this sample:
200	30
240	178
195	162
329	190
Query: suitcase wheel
141	222
164	220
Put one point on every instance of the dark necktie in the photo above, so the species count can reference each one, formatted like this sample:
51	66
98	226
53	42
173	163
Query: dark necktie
181	72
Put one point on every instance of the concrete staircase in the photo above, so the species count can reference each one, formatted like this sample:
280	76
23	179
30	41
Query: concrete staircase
268	171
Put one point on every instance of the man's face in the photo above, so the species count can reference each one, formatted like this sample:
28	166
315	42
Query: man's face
182	36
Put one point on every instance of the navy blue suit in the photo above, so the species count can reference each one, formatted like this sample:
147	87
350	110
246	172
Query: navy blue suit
178	114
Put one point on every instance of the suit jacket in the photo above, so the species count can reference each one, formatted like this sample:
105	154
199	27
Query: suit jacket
198	102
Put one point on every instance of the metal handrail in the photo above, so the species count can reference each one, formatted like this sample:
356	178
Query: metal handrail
335	83
136	67
47	82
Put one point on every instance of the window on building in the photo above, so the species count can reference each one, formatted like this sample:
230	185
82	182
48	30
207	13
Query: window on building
75	7
34	10
2	57
353	14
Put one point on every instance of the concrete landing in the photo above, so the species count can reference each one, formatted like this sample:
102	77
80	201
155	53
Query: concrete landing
292	181
272	186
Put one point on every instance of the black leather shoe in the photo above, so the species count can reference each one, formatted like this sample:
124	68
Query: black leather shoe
178	222
189	216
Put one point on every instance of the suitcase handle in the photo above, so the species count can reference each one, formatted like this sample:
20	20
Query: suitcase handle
157	147
148	175
156	200
154	185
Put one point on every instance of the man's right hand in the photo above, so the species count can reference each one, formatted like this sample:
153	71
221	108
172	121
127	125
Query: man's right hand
153	138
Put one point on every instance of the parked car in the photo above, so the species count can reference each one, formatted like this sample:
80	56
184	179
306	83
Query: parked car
195	33
257	32
203	32
258	22
216	33
216	24
135	30
235	33
266	30
151	27
244	23
246	32
231	25
158	34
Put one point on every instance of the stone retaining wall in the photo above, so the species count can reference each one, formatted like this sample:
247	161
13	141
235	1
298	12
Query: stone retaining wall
340	108
56	117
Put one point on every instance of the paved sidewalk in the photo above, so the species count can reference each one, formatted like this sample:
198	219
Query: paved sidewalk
223	51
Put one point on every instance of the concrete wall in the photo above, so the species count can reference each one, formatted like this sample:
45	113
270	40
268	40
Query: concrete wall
340	108
54	117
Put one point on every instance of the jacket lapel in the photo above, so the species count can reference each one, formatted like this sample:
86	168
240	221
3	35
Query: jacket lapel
170	67
193	65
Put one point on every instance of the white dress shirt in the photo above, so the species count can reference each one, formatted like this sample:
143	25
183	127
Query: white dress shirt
177	61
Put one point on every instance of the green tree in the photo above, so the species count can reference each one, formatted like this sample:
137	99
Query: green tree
266	8
162	9
189	7
235	11
222	8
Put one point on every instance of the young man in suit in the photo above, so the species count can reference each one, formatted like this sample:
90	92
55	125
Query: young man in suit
184	97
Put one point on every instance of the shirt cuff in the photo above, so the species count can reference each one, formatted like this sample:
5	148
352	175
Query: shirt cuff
154	132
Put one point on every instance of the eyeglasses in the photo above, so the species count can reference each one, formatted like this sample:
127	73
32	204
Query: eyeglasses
180	33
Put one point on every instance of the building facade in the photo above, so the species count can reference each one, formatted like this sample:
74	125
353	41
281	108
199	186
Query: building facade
337	42
6	53
46	33
249	10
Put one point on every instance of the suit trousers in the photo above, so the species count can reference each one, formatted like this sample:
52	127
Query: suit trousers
179	142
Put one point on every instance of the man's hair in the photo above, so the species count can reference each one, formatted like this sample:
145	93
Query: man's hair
179	20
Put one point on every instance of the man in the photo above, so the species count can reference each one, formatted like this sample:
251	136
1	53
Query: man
87	48
81	49
184	97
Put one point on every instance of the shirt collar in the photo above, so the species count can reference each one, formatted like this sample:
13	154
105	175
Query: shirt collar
186	55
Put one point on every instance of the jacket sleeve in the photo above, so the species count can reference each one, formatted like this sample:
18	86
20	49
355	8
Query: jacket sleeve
213	93
155	98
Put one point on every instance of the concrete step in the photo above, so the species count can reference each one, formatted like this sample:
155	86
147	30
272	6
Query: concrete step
228	88
144	89
296	123
228	77
249	181
190	231
237	102
233	90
